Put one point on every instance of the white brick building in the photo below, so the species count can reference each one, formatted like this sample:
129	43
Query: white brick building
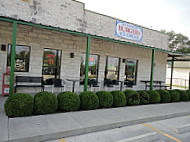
71	16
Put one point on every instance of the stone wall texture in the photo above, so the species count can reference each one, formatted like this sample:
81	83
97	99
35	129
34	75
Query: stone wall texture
38	39
69	14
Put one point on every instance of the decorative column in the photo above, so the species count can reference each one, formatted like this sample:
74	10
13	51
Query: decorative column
11	89
152	69
86	64
172	67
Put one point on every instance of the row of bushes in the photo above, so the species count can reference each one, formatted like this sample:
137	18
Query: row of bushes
20	104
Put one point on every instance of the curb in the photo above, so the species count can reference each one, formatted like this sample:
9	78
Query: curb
182	129
74	132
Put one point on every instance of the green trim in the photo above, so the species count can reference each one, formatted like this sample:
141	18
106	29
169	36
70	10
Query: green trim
93	36
13	57
189	81
86	63
152	69
7	19
172	68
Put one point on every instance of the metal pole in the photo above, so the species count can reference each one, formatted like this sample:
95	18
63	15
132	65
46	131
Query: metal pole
189	80
171	79
13	57
152	69
86	65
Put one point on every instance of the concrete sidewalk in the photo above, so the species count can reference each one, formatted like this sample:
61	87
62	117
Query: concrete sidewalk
3	121
54	126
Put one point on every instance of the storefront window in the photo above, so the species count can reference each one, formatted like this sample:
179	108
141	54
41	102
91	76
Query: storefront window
131	71
51	63
22	58
112	70
92	67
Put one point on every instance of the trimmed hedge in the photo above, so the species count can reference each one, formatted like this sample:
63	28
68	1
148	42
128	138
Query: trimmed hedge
132	97
45	102
164	96
19	104
188	91
144	97
105	99
22	104
68	101
175	96
154	96
119	98
89	100
184	96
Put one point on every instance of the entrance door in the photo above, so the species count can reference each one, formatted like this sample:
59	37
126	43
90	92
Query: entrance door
51	64
131	71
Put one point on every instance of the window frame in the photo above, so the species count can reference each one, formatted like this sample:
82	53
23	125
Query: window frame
55	75
136	71
10	46
97	65
106	68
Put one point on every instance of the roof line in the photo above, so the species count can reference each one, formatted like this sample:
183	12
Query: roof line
22	22
124	21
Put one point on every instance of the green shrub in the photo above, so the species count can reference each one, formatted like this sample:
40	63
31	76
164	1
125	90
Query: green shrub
45	102
188	92
89	100
105	99
68	101
127	91
19	104
132	97
119	98
154	96
184	96
164	96
144	97
175	96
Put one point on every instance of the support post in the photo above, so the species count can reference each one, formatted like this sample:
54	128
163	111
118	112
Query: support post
86	63
189	80
11	89
172	67
152	69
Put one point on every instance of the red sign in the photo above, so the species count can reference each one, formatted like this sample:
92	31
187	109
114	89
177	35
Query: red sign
91	59
50	55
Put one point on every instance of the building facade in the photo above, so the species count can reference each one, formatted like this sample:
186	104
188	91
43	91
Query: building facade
56	54
181	72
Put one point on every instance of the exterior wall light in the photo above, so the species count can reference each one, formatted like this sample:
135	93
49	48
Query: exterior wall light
3	47
71	55
123	61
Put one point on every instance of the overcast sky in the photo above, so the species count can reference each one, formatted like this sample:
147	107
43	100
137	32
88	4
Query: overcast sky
156	14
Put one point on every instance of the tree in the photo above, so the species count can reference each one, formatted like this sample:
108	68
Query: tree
184	50
178	42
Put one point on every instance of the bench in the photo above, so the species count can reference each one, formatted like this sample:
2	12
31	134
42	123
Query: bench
159	86
156	83
29	81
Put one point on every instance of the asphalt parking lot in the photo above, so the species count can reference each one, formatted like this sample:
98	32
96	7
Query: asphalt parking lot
168	130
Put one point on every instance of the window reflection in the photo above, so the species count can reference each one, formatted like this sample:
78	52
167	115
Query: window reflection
92	67
22	58
112	70
131	71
